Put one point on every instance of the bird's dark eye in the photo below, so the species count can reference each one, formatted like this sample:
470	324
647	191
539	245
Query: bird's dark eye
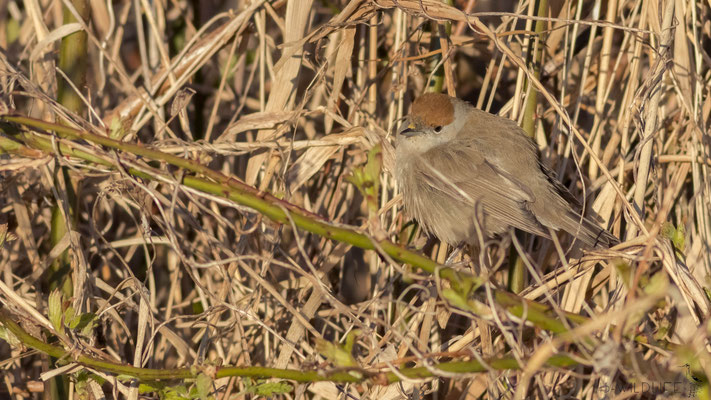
437	129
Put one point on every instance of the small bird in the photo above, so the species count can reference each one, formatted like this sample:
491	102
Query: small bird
459	166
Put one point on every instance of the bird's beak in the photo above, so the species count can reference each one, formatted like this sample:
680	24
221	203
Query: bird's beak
410	130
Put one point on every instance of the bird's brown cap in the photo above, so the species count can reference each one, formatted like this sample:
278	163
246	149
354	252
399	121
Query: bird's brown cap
433	109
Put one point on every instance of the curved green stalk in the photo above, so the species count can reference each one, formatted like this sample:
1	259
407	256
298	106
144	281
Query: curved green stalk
341	375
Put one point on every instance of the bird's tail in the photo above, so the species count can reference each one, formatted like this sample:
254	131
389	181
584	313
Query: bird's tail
590	233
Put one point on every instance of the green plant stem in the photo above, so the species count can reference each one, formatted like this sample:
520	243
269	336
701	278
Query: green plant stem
535	54
262	202
437	34
343	375
517	269
73	62
540	315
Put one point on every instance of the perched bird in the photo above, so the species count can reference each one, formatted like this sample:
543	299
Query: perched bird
458	166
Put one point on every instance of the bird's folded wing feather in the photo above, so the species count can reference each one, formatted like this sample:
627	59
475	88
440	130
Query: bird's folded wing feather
463	173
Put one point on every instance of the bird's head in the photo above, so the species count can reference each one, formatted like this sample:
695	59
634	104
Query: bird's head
435	118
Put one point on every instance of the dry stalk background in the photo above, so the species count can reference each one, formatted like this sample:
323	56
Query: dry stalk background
196	200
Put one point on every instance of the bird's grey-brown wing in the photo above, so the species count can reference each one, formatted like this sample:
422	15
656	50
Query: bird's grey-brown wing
514	156
462	173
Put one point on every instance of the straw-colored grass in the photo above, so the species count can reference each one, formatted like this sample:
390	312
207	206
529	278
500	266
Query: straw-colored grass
209	206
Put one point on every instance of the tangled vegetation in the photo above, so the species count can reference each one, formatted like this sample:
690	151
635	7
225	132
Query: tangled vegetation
196	200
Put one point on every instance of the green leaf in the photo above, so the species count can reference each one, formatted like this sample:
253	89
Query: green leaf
177	392
676	235
81	385
374	166
367	178
71	319
335	353
658	284
197	307
203	384
350	340
152	386
116	129
624	271
269	389
9	337
54	310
